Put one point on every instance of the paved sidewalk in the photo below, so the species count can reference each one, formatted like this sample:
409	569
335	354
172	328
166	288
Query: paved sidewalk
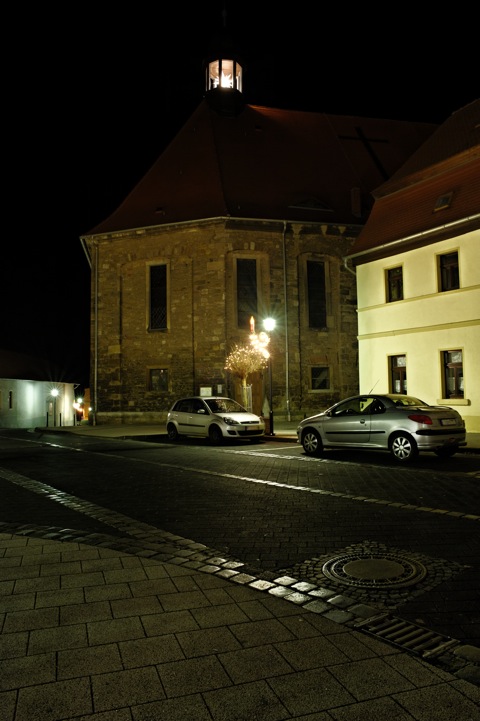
105	632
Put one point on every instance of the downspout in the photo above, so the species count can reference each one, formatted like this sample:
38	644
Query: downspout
95	336
95	340
287	373
347	267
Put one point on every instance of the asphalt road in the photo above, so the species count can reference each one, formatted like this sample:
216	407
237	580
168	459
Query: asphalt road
270	507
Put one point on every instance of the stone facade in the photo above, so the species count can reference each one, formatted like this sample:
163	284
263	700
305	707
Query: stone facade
202	315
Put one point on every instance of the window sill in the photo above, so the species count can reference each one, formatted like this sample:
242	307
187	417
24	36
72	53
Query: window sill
453	402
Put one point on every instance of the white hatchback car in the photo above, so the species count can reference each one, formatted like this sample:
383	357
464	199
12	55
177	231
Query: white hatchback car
213	417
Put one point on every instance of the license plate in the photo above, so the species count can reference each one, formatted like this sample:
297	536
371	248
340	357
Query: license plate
448	422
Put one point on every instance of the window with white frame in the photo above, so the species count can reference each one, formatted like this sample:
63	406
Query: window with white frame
452	373
398	373
394	278
448	273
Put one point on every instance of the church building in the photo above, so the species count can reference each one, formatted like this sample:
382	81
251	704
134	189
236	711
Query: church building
249	213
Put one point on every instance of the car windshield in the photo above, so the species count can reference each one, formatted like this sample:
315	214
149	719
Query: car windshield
224	405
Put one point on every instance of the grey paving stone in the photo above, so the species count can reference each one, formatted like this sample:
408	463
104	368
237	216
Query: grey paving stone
370	678
245	702
150	651
310	691
55	639
194	675
253	664
27	671
126	688
255	633
89	661
54	701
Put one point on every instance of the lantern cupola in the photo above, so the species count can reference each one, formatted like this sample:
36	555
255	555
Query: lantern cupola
224	75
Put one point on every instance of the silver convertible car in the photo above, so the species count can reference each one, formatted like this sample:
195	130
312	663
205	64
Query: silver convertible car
215	417
401	424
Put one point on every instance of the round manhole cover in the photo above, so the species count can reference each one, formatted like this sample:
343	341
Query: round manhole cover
382	570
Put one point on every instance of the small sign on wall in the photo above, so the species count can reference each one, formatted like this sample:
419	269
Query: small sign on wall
205	390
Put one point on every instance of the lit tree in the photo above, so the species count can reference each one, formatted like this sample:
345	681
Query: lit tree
247	359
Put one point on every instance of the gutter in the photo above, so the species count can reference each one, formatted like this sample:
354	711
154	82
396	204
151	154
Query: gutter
415	236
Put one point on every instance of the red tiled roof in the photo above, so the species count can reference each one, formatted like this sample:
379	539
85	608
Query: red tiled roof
404	211
265	163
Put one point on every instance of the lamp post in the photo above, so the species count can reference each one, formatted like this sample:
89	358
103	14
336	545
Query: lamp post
54	394
269	325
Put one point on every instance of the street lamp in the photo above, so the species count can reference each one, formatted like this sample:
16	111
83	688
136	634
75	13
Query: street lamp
54	393
269	325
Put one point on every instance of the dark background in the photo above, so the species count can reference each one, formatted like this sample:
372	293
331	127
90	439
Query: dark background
93	97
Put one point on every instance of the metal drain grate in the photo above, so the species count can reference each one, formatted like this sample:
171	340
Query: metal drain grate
406	635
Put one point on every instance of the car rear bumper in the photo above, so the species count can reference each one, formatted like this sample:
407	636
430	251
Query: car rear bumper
434	438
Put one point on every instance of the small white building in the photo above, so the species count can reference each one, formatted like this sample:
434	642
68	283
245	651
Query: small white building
28	399
417	263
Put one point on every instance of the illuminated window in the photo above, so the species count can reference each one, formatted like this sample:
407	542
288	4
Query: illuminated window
398	374
158	379
394	284
225	74
247	291
316	295
158	297
452	374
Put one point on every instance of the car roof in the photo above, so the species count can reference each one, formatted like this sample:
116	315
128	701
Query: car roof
210	398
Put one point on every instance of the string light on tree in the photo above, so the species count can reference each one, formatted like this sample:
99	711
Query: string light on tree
242	361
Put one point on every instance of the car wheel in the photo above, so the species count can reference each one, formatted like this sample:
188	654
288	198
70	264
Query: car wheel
446	452
312	443
172	432
403	448
215	435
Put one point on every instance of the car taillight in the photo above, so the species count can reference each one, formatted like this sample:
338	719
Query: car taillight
420	418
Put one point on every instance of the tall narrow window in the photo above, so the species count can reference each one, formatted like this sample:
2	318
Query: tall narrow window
398	374
394	284
453	373
158	297
316	295
449	275
247	292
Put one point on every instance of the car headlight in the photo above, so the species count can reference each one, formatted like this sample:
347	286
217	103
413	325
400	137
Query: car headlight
230	421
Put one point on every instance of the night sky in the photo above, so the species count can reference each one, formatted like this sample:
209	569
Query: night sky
97	95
